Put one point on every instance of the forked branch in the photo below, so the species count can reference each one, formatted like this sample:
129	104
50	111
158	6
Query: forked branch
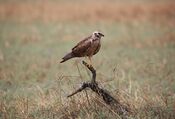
108	99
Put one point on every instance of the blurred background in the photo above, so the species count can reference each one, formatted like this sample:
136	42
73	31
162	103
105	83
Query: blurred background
137	55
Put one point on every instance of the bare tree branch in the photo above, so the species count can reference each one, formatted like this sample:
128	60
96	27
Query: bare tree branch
107	98
93	71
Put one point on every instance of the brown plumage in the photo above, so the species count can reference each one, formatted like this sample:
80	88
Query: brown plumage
85	48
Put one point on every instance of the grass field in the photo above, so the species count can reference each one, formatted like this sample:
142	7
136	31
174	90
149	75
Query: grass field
136	63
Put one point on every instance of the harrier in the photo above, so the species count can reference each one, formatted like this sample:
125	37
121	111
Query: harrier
85	48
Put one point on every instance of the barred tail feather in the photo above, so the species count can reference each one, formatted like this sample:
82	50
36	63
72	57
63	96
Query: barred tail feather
67	57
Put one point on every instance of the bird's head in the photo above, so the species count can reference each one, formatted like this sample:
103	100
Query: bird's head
97	34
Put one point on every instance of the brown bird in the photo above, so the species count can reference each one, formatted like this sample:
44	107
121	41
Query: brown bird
85	48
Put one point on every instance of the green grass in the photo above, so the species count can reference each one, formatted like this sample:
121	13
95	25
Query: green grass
34	85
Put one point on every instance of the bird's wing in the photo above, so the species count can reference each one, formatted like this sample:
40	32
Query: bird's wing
82	46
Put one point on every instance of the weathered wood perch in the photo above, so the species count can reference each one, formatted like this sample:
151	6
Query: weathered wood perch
108	99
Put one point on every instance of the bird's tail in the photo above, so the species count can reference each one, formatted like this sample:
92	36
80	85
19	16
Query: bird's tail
67	57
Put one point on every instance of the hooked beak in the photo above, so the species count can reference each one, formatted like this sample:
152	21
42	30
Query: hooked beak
101	34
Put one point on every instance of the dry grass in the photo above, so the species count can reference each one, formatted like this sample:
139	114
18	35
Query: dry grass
52	105
136	63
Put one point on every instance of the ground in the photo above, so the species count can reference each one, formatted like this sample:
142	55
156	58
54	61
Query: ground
135	64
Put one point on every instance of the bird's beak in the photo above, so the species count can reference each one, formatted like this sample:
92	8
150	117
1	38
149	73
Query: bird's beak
101	34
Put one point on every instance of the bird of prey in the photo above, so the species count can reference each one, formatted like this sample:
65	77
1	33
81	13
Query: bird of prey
85	48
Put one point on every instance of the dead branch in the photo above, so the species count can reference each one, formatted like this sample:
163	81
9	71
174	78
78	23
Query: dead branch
108	99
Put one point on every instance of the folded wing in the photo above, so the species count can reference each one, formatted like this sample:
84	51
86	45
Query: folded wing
80	49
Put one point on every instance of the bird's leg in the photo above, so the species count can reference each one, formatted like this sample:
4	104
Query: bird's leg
86	57
90	61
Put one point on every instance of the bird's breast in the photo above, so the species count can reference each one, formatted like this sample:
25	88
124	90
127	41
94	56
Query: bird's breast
95	45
